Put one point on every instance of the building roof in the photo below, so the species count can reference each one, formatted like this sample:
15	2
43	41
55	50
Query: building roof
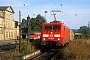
5	7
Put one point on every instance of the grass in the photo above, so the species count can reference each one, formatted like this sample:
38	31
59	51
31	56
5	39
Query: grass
14	53
78	49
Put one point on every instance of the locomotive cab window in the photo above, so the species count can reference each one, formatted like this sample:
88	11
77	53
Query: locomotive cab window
52	27
56	27
48	27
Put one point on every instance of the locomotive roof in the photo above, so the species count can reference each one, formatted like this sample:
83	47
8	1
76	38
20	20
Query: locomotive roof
54	22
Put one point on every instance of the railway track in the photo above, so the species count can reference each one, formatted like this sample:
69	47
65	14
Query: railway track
58	56
45	56
7	48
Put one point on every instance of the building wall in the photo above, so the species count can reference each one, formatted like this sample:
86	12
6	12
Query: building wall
1	25
7	25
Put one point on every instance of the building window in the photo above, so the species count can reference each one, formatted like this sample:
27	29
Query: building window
0	31
2	22
9	34
6	34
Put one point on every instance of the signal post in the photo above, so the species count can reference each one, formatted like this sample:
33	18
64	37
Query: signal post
28	23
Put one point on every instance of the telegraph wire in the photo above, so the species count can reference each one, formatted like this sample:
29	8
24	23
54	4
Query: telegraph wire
55	4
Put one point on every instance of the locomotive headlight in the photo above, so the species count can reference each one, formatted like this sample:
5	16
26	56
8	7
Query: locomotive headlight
58	38
44	38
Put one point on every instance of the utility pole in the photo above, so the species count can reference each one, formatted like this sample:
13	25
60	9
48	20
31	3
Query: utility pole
28	22
19	30
45	14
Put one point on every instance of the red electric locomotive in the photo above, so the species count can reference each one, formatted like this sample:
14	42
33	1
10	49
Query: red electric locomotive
54	35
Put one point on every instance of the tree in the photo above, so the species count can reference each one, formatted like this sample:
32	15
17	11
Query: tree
36	23
32	24
85	31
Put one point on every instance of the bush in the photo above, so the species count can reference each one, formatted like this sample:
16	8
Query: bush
77	50
26	47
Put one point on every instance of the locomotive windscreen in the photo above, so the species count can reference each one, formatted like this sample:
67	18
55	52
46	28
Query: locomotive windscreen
52	27
32	34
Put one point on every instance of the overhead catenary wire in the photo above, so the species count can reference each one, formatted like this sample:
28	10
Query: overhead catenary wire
55	4
60	11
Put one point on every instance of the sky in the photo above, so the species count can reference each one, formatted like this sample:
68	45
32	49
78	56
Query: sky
74	13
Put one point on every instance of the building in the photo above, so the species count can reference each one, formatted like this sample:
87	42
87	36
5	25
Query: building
24	28
8	29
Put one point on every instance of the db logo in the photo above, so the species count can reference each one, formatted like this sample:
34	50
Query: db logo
51	35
